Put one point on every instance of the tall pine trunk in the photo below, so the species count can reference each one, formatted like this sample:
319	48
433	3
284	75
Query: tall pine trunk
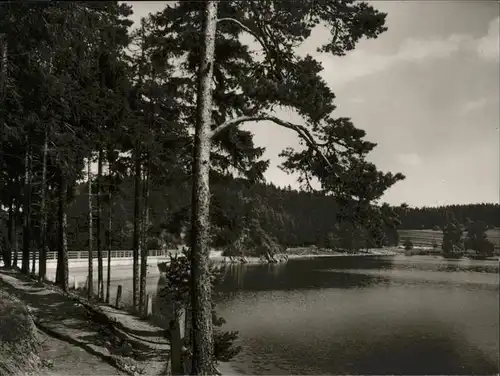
144	247
34	227
15	243
137	230
90	278
4	71
109	238
100	281
201	294
34	223
25	265
52	242
62	256
145	214
7	253
42	260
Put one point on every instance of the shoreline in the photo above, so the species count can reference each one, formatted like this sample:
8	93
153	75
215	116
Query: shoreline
216	256
123	271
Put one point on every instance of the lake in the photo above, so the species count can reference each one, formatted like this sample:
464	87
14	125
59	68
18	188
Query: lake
361	315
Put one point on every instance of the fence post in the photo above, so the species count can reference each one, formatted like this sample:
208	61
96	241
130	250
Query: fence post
176	343
187	337
182	321
118	296
147	309
149	305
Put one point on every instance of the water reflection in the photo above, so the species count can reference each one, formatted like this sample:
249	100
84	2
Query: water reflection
349	315
432	348
402	315
299	274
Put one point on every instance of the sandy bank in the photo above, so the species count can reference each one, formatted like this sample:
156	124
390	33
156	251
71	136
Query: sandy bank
19	342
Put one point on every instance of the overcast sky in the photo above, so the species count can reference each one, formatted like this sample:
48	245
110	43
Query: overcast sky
427	91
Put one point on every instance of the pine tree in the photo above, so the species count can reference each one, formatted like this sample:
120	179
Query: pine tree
476	239
452	238
282	78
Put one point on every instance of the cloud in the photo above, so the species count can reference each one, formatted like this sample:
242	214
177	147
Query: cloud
356	100
409	159
488	46
477	104
143	8
359	63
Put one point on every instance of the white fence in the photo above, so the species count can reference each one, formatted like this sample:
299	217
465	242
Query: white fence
85	254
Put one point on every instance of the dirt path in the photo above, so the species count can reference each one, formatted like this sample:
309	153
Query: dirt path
134	347
63	359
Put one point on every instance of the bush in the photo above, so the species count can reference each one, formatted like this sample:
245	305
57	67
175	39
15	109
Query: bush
177	287
408	244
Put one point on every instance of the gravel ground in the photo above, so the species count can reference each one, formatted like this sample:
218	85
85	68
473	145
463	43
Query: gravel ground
63	359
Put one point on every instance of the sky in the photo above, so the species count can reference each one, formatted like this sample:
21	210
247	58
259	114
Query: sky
427	91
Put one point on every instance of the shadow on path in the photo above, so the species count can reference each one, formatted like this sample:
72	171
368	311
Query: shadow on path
60	316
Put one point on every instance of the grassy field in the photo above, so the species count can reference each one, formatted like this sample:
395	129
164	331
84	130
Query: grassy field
425	238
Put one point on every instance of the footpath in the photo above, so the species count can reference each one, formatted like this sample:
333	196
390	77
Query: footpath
81	339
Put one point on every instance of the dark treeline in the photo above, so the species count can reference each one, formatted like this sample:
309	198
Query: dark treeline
436	217
291	217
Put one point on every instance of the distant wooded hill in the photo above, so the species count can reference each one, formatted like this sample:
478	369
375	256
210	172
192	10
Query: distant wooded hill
435	217
294	218
429	238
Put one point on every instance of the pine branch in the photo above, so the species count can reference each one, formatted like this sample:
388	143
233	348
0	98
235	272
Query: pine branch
302	131
249	31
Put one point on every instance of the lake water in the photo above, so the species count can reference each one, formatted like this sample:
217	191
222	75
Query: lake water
357	315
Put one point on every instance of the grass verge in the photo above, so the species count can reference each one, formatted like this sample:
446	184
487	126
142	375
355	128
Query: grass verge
19	342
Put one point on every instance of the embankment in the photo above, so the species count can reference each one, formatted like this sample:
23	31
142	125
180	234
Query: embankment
19	342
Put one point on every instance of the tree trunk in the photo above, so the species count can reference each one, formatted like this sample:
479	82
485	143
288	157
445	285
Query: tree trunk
3	78
62	256
110	217
100	281
144	247
43	243
7	253
34	227
15	242
201	294
90	278
34	223
137	230
42	260
51	225
25	265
